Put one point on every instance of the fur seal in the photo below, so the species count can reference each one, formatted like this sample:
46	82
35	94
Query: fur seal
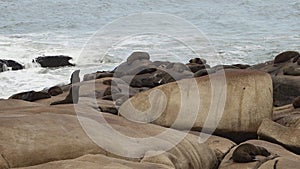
285	56
246	153
71	98
75	77
198	61
296	102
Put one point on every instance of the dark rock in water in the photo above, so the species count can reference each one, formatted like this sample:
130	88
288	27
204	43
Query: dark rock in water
4	64
198	61
97	75
241	66
75	77
298	62
138	56
285	56
30	96
55	90
296	102
285	89
71	98
291	70
204	72
54	61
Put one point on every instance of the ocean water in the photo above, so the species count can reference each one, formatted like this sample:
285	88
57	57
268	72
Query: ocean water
100	34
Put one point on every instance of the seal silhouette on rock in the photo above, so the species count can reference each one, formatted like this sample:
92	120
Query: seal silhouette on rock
246	153
75	77
71	98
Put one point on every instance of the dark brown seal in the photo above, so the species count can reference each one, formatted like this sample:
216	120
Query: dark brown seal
198	61
296	102
71	98
246	153
285	56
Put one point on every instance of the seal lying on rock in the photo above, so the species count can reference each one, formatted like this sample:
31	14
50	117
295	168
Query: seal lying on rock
246	153
71	98
296	102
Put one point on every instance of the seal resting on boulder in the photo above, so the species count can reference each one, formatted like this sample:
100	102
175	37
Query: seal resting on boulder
296	102
246	153
71	98
285	56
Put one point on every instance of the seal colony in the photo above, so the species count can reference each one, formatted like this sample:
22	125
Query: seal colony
30	115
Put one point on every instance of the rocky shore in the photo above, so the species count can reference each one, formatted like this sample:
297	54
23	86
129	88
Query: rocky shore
158	110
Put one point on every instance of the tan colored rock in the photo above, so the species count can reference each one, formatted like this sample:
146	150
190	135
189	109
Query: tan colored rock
274	149
244	100
95	162
220	145
3	163
287	116
281	163
286	136
44	136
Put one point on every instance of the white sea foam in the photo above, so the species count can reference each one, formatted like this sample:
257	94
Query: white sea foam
241	32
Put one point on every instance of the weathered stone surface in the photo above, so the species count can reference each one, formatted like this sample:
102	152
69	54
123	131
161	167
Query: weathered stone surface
247	100
54	61
274	149
138	56
97	161
30	96
43	134
287	116
220	145
97	75
281	163
286	89
286	136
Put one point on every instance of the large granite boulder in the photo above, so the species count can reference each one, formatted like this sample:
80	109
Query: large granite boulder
286	136
96	161
237	105
286	89
40	134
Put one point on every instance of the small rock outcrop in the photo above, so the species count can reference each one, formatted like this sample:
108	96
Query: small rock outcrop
54	61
